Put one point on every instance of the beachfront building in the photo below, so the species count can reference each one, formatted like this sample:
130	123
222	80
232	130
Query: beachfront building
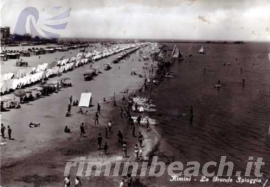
5	34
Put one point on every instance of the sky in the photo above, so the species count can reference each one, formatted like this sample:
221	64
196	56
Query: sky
247	20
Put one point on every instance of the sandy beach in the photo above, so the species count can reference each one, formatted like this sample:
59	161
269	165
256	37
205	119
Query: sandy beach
49	143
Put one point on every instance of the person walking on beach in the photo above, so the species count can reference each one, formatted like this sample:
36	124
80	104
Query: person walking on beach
139	118
121	112
98	108
147	125
134	131
243	82
110	126
70	100
96	118
120	137
124	148
3	129
69	108
77	182
136	106
136	150
9	132
131	122
99	141
140	138
67	182
82	129
106	147
123	99
129	180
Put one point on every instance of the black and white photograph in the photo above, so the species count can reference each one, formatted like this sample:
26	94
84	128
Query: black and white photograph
135	93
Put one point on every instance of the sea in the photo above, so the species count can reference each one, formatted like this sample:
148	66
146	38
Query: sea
232	121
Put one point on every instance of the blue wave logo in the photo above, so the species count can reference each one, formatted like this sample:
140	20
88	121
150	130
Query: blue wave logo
49	24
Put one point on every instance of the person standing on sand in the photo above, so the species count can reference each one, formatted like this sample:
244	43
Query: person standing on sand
243	82
134	131
124	149
136	150
129	180
121	112
110	126
99	141
70	100
139	118
9	132
77	182
140	138
82	129
3	129
147	125
67	181
98	108
131	122
120	137
106	147
96	119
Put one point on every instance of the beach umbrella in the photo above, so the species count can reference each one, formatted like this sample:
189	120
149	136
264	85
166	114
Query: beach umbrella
20	93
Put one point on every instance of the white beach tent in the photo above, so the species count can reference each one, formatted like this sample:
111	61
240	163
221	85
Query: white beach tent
85	100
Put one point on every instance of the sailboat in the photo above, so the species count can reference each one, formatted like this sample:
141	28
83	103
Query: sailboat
176	54
161	54
202	50
189	50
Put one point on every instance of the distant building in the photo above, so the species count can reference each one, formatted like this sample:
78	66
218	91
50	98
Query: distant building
5	34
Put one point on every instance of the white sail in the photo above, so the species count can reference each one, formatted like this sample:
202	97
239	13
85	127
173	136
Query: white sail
202	50
269	56
189	50
176	52
161	55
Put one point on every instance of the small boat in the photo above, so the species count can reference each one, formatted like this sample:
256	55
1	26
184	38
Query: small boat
189	51
176	54
202	50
